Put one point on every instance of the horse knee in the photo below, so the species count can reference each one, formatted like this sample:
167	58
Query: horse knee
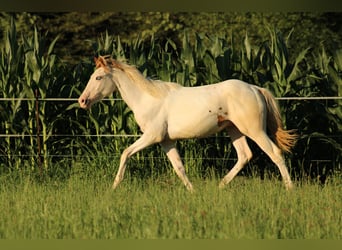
243	151
124	155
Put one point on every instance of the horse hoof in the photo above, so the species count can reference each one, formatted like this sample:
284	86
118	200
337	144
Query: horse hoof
222	185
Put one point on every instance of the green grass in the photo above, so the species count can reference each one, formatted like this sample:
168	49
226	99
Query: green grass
160	207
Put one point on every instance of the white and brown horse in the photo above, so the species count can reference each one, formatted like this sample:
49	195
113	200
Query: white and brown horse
167	112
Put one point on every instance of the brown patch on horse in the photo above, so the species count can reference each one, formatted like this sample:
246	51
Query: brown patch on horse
222	121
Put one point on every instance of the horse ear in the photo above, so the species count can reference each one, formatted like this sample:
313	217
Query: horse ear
100	62
95	59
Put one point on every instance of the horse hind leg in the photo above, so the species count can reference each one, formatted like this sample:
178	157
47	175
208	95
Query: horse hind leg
243	151
275	154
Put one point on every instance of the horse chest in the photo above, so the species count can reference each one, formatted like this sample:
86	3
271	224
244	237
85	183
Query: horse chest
152	117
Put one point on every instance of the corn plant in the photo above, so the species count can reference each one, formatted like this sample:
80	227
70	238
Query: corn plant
40	75
10	69
27	68
320	121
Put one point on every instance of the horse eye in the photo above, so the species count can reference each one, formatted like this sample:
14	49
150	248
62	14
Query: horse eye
98	78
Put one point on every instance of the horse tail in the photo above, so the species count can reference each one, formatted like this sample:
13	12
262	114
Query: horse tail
284	139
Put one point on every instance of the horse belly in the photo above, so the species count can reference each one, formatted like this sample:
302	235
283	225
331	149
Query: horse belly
196	123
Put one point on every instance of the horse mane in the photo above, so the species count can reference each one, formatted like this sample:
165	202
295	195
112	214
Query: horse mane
155	88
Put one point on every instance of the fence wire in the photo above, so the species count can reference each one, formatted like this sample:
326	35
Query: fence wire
136	135
119	99
57	99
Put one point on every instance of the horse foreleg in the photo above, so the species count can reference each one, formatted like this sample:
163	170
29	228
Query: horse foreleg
243	151
143	142
173	155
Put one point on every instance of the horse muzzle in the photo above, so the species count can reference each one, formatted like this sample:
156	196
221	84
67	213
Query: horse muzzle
84	102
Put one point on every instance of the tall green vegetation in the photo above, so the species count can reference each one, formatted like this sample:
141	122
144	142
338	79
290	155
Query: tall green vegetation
30	69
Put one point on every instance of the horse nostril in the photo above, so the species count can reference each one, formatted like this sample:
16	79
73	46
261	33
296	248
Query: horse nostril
83	101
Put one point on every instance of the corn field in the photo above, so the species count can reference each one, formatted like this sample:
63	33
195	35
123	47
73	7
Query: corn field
50	137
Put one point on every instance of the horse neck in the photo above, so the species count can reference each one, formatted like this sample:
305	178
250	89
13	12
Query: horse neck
132	94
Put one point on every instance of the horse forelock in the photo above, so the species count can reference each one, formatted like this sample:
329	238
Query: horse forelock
107	62
99	62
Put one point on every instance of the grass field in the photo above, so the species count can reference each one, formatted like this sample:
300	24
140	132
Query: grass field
249	208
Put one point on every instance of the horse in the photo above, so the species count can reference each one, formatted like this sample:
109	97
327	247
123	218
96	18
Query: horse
167	112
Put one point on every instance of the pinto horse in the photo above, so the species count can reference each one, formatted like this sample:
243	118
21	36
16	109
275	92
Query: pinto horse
167	112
